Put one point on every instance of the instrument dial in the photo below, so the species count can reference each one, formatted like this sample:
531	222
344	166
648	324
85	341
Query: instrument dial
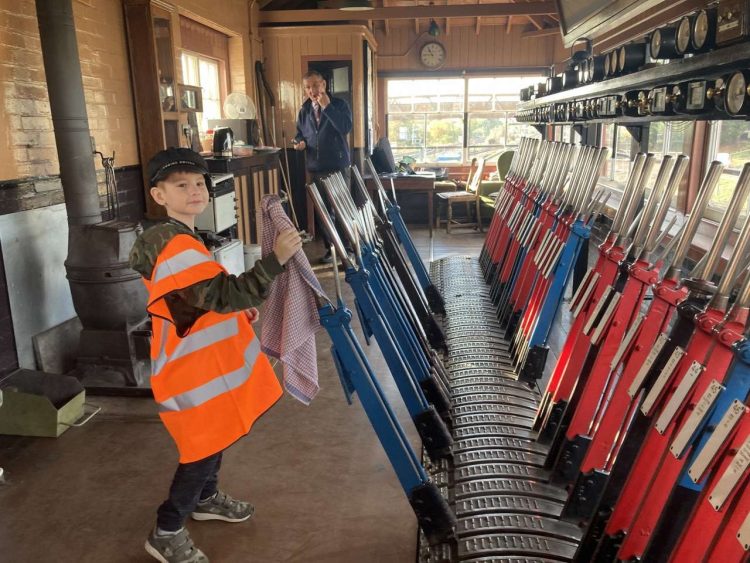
704	30
656	44
621	59
683	35
736	96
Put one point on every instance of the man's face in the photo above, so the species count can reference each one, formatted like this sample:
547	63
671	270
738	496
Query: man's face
314	87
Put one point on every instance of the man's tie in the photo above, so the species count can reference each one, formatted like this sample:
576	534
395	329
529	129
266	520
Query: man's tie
316	112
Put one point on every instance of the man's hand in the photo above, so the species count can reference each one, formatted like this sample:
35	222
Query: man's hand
286	245
252	315
299	145
323	100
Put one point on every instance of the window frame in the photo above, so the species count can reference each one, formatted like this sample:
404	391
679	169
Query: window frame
222	79
466	148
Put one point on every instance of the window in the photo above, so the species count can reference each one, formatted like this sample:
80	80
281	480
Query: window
669	137
452	120
729	143
620	144
204	72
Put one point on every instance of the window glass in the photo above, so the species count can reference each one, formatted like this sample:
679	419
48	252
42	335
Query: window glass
730	145
203	72
452	120
622	155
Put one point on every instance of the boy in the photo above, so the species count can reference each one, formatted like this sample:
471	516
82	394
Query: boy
209	378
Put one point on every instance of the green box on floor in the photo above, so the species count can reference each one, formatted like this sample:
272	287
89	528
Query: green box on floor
40	404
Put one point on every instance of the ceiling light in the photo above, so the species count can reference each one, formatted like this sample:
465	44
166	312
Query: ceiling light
434	29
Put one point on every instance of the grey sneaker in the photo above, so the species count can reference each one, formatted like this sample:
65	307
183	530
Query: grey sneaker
176	548
223	507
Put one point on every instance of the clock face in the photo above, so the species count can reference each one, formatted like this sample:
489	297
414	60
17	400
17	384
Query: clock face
432	55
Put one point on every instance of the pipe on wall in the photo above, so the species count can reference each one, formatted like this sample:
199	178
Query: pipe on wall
62	67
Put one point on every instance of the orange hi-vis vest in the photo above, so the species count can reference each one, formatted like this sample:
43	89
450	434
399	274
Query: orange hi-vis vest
213	383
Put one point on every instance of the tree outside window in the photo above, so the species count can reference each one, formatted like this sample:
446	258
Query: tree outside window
453	120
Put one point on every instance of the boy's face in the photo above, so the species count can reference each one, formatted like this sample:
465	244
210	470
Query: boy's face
314	87
183	194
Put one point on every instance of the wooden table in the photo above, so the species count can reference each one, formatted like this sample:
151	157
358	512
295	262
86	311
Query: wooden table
423	183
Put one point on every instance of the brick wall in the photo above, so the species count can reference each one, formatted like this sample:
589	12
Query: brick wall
26	132
29	178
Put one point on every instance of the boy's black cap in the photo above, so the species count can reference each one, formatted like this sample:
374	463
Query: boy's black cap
176	159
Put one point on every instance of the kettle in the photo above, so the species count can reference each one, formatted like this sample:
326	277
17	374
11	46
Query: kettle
223	141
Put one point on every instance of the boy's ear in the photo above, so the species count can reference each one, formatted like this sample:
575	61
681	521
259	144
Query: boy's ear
158	194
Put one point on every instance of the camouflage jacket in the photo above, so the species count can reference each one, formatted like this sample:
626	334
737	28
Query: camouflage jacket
223	294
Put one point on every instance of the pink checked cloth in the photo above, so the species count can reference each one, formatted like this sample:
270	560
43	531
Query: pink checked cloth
290	316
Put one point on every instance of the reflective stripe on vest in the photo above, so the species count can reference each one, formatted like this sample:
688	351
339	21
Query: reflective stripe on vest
194	342
183	262
179	263
215	387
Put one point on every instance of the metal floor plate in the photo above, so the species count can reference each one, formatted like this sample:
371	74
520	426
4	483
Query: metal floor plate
474	372
492	408
495	398
522	440
466	388
494	380
521	523
501	471
525	416
475	458
509	559
490	430
517	544
492	418
506	486
494	504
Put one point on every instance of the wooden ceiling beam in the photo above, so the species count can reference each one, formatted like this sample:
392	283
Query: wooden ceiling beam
546	32
408	12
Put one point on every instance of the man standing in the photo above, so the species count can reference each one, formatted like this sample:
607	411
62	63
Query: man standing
323	123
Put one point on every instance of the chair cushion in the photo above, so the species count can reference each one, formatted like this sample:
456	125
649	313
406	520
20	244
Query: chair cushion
457	196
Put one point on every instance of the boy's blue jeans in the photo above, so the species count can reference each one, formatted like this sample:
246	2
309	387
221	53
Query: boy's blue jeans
192	482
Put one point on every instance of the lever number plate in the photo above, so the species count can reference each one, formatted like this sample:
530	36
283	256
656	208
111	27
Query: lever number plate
731	477
727	423
595	313
696	418
662	380
678	397
632	331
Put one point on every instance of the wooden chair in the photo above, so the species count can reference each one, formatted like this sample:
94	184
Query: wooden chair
451	186
468	196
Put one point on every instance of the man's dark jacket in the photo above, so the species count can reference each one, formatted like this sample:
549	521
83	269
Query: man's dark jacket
327	148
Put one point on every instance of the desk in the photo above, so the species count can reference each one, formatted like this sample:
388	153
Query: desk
412	183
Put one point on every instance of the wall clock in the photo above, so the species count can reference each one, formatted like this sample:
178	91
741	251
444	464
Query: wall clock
432	55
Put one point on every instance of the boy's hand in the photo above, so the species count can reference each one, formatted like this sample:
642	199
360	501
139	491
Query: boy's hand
299	145
252	315
286	245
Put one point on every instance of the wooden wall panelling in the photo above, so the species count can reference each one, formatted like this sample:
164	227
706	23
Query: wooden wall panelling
286	52
493	48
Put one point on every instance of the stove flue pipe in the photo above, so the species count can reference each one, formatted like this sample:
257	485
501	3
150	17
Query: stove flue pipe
73	138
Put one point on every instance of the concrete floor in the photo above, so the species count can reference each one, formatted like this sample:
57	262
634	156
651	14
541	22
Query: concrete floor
323	488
